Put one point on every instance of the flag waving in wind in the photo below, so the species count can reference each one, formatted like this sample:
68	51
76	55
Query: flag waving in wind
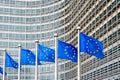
9	62
91	46
27	57
1	71
46	54
67	51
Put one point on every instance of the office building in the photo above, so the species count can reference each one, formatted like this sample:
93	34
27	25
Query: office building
24	21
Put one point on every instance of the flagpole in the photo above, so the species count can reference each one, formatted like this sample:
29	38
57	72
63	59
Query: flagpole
36	64
79	54
4	57
19	56
56	57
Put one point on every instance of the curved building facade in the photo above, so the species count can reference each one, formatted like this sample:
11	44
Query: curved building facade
24	21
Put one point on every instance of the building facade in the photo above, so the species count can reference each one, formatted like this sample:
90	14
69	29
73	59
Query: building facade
24	21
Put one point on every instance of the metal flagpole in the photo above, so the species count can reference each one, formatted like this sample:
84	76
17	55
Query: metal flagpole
79	62
56	57
19	56
4	57
36	63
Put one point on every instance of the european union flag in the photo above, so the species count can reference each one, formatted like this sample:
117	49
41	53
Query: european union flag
1	71
91	46
9	62
46	54
67	51
27	57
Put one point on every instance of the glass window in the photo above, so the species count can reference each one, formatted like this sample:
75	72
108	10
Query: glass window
118	15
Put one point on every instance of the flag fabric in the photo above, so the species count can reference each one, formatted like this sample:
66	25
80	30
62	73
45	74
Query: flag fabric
67	51
27	57
91	46
1	71
9	62
46	54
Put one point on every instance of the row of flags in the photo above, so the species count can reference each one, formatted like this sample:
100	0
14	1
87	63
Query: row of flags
66	51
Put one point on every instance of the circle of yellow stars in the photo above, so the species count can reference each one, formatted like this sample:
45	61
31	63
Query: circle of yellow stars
14	64
29	58
69	55
91	49
47	56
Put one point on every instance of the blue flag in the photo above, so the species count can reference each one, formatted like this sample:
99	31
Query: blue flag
67	51
9	62
27	57
46	54
91	46
1	71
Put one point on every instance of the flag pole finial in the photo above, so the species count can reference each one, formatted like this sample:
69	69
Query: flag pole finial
55	35
78	28
4	49
19	45
36	41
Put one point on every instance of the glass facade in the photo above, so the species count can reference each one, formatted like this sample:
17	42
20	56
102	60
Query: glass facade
24	21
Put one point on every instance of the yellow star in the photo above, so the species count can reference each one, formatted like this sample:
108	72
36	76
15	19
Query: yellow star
72	48
29	61
87	40
96	42
65	52
90	51
32	62
94	52
27	56
97	50
65	49
47	58
66	46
